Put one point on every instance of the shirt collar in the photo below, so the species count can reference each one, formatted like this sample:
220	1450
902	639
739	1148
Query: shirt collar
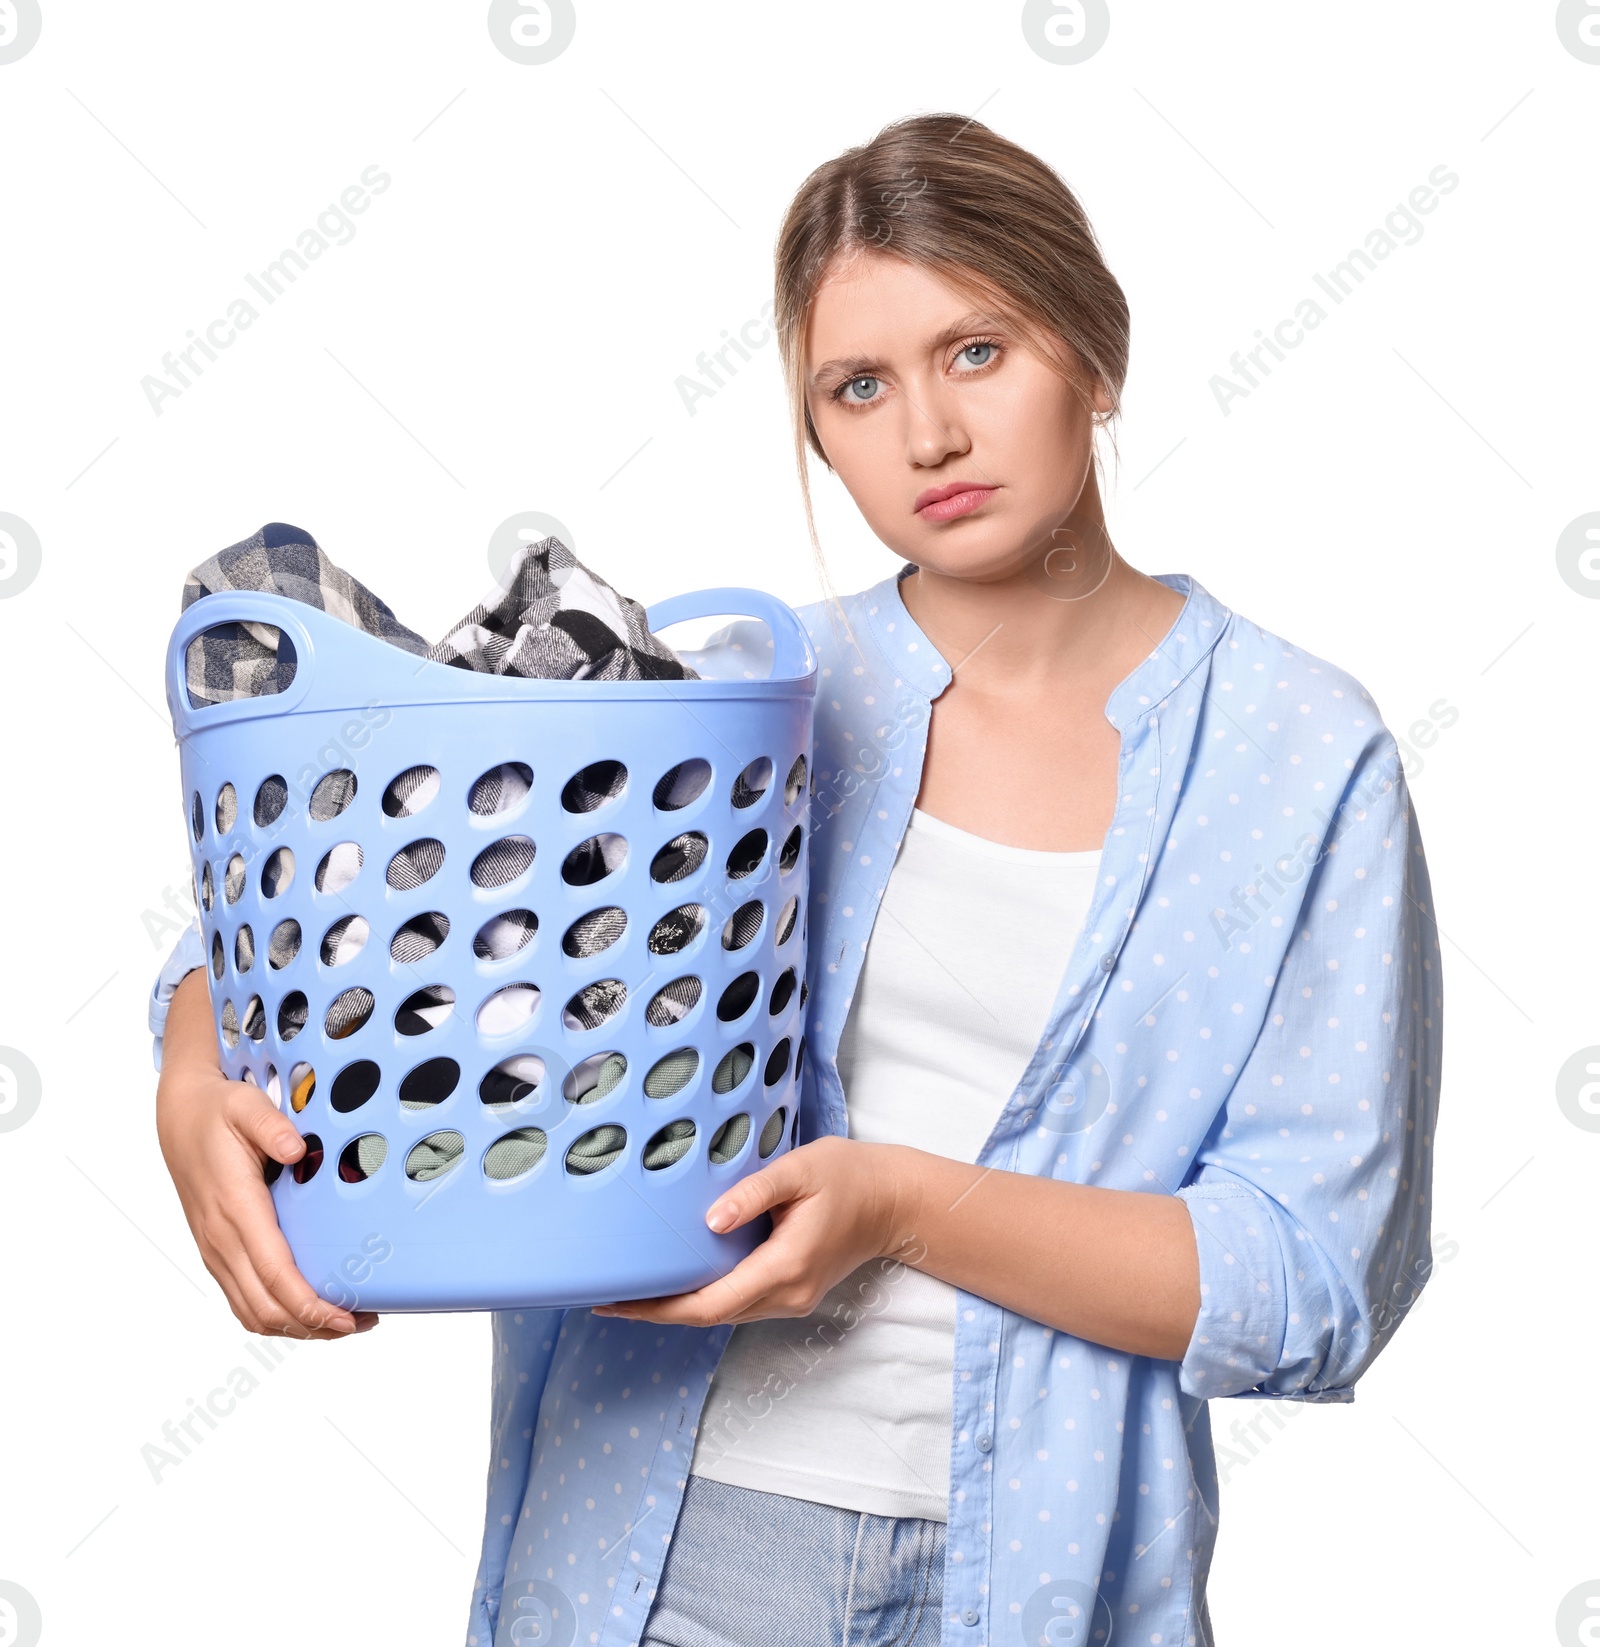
920	665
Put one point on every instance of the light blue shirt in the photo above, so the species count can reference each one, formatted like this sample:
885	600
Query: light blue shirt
1250	1020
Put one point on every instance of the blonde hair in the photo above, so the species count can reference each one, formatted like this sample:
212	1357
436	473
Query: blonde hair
946	193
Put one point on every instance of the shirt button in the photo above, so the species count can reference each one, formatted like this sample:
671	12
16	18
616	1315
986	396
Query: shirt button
985	1442
970	1616
1107	962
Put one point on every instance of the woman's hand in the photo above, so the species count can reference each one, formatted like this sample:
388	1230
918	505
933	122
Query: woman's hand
216	1136
835	1203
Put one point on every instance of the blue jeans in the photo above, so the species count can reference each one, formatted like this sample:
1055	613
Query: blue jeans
751	1569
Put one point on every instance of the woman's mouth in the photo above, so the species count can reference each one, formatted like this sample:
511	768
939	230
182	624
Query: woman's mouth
960	497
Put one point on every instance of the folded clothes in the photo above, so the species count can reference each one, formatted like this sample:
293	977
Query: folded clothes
553	618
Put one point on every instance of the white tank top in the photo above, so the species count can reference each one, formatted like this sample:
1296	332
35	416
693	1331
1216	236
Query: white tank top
851	1405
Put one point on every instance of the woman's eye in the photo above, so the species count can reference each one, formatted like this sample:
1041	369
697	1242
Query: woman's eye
861	388
978	354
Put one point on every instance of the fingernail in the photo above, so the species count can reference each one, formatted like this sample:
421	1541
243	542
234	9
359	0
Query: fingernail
719	1217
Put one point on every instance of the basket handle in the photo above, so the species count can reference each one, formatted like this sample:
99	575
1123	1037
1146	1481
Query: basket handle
792	656
237	606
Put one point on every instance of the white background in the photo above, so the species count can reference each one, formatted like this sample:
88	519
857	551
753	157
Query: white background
504	333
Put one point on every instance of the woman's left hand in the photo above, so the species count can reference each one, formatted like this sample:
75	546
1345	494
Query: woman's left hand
835	1203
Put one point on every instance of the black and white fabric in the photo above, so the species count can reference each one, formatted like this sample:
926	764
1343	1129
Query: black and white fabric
552	618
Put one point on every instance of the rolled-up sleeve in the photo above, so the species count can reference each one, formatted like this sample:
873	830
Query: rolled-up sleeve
1310	1198
187	954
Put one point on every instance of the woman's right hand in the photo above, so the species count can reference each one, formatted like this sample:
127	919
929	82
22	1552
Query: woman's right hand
216	1136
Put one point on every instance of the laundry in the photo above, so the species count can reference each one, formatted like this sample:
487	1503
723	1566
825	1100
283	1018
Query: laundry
552	618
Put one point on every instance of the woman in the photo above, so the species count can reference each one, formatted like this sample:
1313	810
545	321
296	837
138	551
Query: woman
1123	1034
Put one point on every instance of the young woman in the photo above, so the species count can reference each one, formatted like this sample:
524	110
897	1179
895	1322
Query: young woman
1123	1036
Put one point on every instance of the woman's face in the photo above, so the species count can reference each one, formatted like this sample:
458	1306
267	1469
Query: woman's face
917	395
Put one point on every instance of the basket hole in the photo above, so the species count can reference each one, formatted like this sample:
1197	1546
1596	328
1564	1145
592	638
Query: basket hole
415	863
676	930
594	786
305	1169
271	798
208	895
681	784
410	791
347	1012
748	851
430	1083
743	924
501	789
594	1077
508	1009
362	1157
354	1085
680	857
227	808
283	945
735	1065
244	949
673	1002
669	1143
782	992
274	1087
794	1129
739	997
254	1023
592	860
419	937
786	920
800	1051
777	1064
670	1075
752	783
790	854
277	873
591	933
595	1004
345	940
772	1132
504	935
219	956
334	791
804	988
302	1086
424	1009
596	1149
502	861
514	1154
434	1155
292	1012
729	1138
233	878
228	1023
197	817
795	782
512	1080
339	867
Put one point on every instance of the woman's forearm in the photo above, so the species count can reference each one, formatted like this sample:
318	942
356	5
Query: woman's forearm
189	1040
1114	1267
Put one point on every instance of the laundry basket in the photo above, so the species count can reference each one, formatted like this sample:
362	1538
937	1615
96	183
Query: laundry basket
524	960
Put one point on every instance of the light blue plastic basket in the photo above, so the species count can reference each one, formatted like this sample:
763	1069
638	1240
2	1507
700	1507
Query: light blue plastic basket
470	1237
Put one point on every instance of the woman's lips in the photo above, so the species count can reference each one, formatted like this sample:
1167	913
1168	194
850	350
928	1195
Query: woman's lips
954	503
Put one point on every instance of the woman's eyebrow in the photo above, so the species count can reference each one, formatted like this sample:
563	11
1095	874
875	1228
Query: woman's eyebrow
849	366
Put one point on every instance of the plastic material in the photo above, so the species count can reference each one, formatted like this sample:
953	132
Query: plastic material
403	1234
